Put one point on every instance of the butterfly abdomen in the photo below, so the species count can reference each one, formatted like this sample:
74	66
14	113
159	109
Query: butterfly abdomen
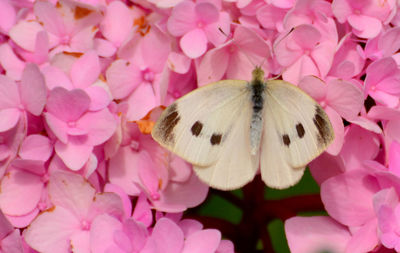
256	126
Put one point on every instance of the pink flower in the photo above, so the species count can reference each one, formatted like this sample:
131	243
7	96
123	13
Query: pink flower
304	51
140	165
15	99
24	191
382	81
234	59
386	206
68	224
198	24
365	17
77	129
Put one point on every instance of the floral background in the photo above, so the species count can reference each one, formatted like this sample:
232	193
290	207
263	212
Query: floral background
82	83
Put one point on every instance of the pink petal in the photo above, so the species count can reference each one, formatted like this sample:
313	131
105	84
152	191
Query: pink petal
121	172
206	12
99	97
365	239
122	78
74	154
178	62
194	43
102	232
213	65
36	167
202	241
9	94
141	101
155	59
271	17
357	137
126	201
100	126
40	54
180	169
86	70
33	89
9	118
24	34
71	191
20	192
326	166
365	26
10	62
7	16
5	226
142	211
167	236
67	105
358	187
182	18
104	48
314	87
80	241
225	246
13	242
56	77
50	17
106	202
345	98
315	234
337	125
117	23
213	33
51	230
306	36
177	197
82	41
23	221
138	232
36	147
390	41
189	226
58	127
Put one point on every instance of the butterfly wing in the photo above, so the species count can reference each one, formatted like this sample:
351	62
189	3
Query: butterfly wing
235	165
296	130
196	126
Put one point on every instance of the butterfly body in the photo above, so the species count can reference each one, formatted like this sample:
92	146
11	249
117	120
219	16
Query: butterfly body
230	128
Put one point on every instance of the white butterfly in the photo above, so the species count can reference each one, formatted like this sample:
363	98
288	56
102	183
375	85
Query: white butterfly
228	129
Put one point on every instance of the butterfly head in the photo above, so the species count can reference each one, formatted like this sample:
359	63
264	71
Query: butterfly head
258	74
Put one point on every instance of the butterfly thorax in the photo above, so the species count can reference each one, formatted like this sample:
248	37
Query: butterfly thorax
257	87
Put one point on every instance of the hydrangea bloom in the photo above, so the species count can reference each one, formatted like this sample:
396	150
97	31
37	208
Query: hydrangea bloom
82	82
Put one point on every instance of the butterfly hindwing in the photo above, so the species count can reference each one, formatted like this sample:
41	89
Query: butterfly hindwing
196	126
296	130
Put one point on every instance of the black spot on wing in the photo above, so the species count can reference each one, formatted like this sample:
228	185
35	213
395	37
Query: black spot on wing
169	122
300	130
216	139
286	139
196	128
322	125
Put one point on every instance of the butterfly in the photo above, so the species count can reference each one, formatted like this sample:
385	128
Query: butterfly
231	128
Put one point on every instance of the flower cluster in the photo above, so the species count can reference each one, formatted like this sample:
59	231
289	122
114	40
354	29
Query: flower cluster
81	86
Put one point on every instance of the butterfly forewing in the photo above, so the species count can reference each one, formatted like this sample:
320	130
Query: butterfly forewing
296	130
197	125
